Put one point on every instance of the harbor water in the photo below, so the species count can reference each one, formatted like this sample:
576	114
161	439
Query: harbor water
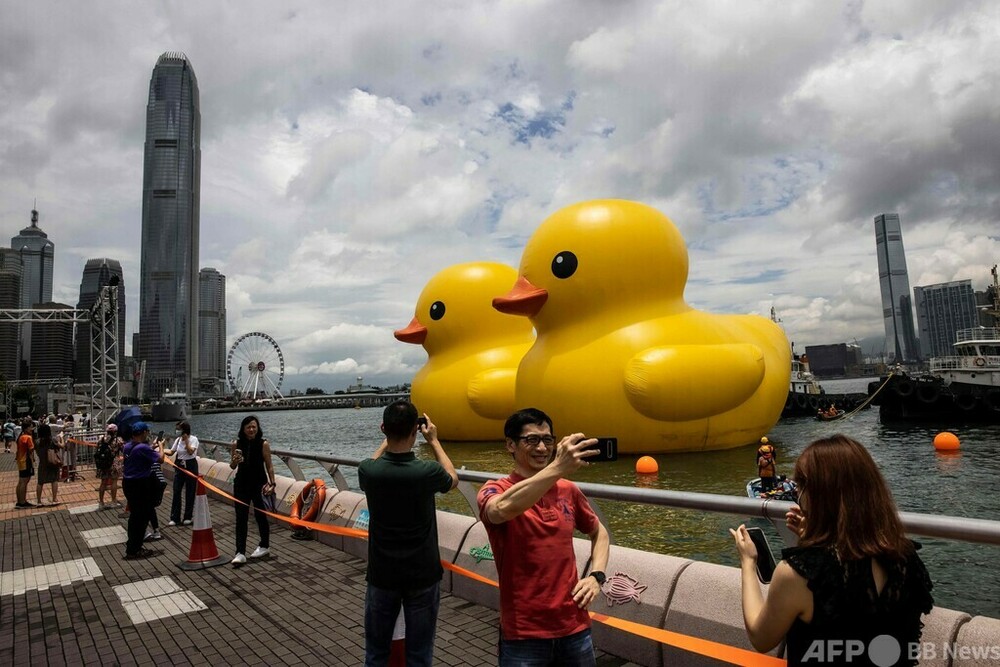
963	484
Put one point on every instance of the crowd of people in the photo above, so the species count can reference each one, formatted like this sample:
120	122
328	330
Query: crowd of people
44	450
853	576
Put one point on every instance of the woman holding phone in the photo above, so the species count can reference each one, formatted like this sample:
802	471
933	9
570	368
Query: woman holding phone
854	575
250	456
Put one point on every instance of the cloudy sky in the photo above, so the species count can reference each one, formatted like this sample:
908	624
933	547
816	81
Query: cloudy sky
351	150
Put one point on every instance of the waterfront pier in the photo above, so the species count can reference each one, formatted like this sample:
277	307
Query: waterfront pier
68	598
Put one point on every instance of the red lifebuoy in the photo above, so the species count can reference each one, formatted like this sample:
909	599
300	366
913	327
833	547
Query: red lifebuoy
980	362
314	495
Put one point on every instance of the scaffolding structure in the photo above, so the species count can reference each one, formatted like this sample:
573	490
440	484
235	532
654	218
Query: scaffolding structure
102	319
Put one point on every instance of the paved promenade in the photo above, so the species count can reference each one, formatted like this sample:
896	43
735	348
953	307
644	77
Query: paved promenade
68	598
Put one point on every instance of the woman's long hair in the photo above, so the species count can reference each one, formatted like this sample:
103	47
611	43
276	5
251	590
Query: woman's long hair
847	503
241	438
43	435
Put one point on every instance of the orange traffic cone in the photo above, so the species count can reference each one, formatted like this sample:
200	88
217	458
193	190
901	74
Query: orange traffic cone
204	553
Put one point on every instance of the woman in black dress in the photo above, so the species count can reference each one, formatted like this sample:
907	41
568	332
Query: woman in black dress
250	455
854	582
48	473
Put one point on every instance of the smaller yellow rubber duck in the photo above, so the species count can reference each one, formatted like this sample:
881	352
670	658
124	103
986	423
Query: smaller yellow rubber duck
620	353
467	384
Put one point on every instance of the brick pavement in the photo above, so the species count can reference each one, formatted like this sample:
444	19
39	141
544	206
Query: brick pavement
303	604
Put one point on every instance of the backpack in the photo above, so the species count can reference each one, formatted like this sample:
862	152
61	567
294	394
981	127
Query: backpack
104	457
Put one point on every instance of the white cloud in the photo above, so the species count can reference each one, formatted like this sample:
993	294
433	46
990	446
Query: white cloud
349	156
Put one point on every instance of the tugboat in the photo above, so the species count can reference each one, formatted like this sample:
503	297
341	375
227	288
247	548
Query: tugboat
805	395
963	387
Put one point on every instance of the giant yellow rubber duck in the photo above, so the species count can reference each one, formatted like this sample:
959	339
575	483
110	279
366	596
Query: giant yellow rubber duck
618	351
467	384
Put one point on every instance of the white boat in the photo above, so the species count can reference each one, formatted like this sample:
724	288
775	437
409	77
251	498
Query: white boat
976	362
173	406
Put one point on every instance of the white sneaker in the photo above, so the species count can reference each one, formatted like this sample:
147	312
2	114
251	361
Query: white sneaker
152	536
171	524
239	560
187	522
260	552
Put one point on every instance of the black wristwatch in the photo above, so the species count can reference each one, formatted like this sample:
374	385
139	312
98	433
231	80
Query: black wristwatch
599	576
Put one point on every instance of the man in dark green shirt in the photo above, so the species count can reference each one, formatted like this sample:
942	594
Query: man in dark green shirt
404	564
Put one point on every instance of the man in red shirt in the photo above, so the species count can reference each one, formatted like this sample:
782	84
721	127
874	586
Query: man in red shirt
530	517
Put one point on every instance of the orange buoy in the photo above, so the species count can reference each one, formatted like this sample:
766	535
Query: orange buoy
946	442
647	465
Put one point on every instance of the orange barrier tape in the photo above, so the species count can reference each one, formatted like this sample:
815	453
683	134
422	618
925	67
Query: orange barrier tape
469	573
705	647
724	652
298	523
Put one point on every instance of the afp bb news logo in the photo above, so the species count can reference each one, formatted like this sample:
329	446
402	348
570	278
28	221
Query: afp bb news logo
885	651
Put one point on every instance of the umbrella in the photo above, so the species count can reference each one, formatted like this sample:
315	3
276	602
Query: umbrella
127	416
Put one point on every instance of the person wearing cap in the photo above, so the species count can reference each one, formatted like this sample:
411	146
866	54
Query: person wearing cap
138	485
109	471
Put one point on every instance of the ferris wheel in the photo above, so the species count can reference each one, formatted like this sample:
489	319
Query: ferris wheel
255	366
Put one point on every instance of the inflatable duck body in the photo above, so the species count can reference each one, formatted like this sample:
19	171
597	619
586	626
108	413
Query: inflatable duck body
619	353
467	384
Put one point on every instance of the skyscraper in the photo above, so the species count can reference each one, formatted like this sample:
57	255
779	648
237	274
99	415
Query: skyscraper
168	290
37	256
212	327
10	297
97	274
942	310
52	346
897	306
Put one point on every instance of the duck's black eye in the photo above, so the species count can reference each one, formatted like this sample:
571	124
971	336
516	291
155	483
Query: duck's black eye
564	264
437	310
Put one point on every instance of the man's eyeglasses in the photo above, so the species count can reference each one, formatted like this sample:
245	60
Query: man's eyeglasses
533	440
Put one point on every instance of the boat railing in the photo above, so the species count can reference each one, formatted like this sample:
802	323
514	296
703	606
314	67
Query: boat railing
964	362
930	525
977	333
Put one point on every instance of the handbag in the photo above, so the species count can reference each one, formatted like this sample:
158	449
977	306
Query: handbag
54	456
159	483
270	497
267	493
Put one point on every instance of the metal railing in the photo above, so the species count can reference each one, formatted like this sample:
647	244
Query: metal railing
985	363
977	333
929	525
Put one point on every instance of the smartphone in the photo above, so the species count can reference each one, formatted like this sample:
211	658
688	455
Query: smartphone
159	436
608	448
421	422
765	560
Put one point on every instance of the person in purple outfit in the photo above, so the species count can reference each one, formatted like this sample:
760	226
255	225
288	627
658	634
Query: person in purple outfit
138	485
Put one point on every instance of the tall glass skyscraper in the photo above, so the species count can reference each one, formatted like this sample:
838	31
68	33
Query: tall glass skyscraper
212	328
97	274
897	305
11	271
171	184
942	311
37	257
52	346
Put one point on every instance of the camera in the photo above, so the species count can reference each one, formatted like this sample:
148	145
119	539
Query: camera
421	422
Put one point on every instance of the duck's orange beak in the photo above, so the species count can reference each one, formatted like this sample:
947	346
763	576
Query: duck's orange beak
414	332
523	299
